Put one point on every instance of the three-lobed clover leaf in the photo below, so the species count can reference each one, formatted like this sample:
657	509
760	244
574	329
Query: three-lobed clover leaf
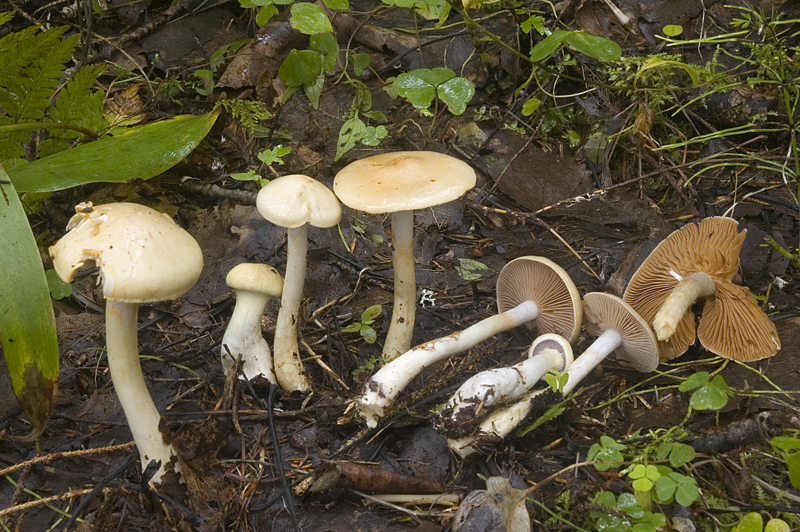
644	477
709	394
606	453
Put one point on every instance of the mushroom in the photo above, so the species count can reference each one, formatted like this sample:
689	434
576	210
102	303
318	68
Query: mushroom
531	291
618	327
547	352
143	256
295	202
700	261
254	284
398	183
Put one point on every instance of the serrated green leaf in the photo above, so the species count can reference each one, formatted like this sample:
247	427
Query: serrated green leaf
141	152
594	46
309	19
27	322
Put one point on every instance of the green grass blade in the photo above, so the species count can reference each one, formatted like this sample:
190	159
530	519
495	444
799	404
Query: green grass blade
142	152
27	323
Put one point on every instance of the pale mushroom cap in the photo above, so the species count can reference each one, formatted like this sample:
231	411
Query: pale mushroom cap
142	254
259	278
545	283
402	181
604	312
732	324
555	342
293	200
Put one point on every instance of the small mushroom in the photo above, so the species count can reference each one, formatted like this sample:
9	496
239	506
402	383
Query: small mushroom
295	202
399	183
699	261
254	284
531	291
143	256
617	326
487	388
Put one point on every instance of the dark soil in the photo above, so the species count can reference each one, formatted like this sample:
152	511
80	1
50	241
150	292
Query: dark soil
224	433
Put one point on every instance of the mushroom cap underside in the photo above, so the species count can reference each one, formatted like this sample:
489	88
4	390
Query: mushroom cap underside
142	254
711	247
554	342
293	200
604	312
402	181
537	279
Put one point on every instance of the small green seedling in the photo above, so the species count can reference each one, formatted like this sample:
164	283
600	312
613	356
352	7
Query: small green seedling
58	288
423	86
557	380
628	514
606	454
268	157
364	327
790	449
709	394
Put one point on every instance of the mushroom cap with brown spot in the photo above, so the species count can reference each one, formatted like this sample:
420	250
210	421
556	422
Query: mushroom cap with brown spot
253	277
142	254
604	312
711	247
544	282
294	200
402	181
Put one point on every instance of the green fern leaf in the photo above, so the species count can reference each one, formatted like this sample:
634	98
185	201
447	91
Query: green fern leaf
44	74
5	16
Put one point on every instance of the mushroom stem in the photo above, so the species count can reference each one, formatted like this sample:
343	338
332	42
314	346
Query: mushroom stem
502	384
680	299
603	346
401	329
382	388
243	337
288	366
126	374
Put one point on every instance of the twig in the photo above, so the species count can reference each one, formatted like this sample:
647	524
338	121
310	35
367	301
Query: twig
48	500
67	454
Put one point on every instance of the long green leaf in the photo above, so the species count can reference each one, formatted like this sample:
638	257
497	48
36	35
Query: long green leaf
142	152
27	324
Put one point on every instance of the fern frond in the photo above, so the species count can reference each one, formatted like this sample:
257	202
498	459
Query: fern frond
43	76
5	16
78	105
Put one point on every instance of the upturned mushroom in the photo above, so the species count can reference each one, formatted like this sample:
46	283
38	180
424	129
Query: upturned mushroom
143	257
254	285
618	328
503	385
531	291
295	202
700	261
398	183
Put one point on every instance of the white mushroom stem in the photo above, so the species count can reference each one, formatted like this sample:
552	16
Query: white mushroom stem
603	346
288	366
243	337
681	299
401	329
497	425
503	384
382	388
126	374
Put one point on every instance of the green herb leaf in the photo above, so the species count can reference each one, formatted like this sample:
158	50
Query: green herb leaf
309	19
595	46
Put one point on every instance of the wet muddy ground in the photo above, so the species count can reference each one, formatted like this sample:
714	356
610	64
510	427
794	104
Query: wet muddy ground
522	205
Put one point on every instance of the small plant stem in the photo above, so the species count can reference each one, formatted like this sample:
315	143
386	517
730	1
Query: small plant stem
401	329
782	250
288	366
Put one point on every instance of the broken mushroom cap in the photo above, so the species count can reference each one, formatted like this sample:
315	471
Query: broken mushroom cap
544	282
294	200
112	236
603	312
732	324
402	181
